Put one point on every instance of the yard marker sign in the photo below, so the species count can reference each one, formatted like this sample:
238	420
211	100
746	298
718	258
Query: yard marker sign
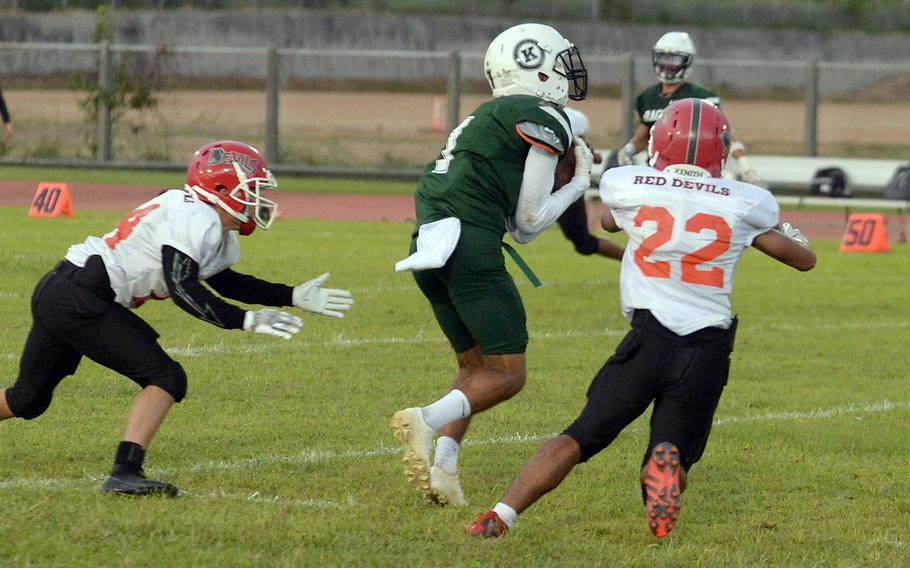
52	199
865	232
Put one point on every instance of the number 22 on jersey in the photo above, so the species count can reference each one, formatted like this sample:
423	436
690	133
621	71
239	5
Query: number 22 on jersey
689	273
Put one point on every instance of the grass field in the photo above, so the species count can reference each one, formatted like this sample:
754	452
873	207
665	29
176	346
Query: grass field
285	458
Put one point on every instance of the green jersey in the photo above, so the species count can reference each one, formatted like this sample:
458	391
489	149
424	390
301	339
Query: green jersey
477	176
650	102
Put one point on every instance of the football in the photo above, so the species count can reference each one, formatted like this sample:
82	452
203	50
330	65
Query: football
565	169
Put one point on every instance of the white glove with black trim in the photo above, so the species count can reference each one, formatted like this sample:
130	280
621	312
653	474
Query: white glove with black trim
272	322
624	155
311	297
584	157
794	234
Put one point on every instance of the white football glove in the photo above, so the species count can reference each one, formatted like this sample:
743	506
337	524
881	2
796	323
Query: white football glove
624	155
272	322
583	158
794	234
751	176
326	301
748	173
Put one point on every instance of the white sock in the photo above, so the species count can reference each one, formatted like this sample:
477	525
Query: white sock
506	513
447	409
447	455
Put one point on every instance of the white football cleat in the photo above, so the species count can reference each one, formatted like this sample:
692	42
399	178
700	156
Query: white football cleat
417	436
446	488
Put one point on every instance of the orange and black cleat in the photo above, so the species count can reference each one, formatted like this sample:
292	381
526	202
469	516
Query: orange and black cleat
487	525
661	485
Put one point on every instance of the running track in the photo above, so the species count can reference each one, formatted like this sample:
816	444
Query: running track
348	207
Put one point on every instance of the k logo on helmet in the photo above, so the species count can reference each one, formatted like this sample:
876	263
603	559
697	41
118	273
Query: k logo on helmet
528	54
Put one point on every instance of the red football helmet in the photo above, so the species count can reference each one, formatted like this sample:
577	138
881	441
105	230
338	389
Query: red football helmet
241	170
690	131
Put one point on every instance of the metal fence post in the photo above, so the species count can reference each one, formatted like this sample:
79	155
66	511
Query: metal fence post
272	87
810	135
453	90
628	97
105	90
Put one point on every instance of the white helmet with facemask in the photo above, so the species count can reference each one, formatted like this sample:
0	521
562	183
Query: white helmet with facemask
672	56
534	59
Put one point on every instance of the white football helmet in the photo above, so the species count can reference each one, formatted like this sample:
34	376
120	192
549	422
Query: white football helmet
672	56
534	59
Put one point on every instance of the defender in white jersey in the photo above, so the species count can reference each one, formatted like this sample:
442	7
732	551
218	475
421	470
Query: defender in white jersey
687	229
164	248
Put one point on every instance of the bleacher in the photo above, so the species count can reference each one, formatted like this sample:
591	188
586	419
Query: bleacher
791	175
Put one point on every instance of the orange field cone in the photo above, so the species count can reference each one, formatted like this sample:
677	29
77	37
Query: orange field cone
438	120
865	232
52	199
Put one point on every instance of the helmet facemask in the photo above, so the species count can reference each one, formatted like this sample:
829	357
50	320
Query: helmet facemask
671	67
254	206
569	65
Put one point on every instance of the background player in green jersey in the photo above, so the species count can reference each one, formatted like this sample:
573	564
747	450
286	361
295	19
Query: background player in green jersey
495	173
672	57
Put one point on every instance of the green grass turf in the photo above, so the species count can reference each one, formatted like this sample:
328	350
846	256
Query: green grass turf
284	454
177	179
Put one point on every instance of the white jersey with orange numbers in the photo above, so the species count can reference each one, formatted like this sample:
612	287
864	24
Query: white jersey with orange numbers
686	233
132	251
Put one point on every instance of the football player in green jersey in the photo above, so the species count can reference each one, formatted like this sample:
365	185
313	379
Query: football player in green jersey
495	173
672	57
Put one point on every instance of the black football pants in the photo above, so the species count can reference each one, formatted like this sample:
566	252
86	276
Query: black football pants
683	375
74	315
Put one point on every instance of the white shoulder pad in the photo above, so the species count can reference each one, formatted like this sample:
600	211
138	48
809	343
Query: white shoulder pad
541	136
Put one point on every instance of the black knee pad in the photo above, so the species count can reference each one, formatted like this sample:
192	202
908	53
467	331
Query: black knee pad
27	403
172	380
586	244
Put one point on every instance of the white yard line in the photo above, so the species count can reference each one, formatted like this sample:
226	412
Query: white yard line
309	456
340	340
883	406
90	484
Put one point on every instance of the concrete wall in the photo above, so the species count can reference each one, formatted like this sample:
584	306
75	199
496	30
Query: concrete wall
326	30
315	29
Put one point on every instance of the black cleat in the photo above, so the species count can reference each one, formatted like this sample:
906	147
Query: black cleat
132	484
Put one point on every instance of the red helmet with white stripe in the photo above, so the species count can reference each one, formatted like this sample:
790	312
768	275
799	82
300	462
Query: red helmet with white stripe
693	132
242	171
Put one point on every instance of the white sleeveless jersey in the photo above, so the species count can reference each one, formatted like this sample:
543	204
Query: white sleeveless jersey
686	235
132	251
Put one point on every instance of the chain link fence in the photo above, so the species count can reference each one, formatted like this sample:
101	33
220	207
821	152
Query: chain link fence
350	111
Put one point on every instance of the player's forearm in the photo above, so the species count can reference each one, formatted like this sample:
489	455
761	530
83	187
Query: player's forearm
537	207
4	112
181	275
250	289
639	140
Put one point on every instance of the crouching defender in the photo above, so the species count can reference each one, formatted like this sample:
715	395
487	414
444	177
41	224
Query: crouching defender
687	231
164	248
